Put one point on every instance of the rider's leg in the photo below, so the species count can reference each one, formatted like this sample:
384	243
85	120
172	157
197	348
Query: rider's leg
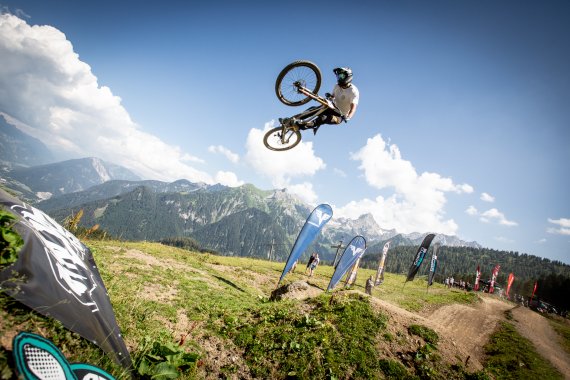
309	112
327	117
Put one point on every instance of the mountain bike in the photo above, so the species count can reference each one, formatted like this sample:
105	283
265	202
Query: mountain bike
297	84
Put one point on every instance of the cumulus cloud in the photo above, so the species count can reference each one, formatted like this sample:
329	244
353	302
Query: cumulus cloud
563	226
228	179
494	215
491	216
56	98
487	198
418	200
305	192
283	168
471	210
219	149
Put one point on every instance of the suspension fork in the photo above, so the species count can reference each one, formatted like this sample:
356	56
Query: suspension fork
285	129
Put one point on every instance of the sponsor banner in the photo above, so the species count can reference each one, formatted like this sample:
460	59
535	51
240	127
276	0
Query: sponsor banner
56	275
433	264
419	258
494	278
351	278
380	272
477	278
510	282
351	254
533	291
313	225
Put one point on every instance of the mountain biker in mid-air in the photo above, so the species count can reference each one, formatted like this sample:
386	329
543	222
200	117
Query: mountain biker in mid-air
345	96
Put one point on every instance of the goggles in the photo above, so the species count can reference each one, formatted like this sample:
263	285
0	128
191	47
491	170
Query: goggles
341	76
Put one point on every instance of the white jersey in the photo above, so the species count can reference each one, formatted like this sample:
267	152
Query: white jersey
344	97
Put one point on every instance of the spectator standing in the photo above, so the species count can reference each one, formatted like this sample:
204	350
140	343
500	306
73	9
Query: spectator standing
311	259
314	264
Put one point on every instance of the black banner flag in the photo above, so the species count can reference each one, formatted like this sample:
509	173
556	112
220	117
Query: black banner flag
419	258
56	275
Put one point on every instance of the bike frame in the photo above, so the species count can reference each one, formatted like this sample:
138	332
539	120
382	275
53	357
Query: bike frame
311	112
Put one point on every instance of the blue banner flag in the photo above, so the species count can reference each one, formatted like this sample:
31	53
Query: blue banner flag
351	254
315	222
420	255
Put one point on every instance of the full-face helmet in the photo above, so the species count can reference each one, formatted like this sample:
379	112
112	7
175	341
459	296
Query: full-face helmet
343	76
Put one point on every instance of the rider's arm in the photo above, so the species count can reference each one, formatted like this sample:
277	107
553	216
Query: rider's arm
351	111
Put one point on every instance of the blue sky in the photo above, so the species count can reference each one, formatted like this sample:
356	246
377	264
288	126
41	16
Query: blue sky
462	127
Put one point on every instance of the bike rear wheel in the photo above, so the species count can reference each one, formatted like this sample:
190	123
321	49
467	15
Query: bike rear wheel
305	73
282	138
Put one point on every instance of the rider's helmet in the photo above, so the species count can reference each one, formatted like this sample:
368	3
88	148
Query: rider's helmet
343	76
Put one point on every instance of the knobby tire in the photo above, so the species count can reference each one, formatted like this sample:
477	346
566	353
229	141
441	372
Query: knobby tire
273	141
306	73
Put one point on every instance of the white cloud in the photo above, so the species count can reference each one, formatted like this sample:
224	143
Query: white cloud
419	199
305	192
563	226
485	197
231	156
496	216
541	241
281	168
490	216
503	239
45	86
471	210
228	179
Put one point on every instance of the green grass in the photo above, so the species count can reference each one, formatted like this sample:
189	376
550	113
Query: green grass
415	296
334	338
166	298
562	327
426	333
511	356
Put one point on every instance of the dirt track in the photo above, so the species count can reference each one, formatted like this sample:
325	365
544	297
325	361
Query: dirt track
464	330
470	326
538	330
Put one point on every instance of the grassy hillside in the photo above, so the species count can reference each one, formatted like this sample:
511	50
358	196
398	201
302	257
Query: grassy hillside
213	315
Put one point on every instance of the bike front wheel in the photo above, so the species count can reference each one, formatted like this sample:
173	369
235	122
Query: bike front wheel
298	73
282	138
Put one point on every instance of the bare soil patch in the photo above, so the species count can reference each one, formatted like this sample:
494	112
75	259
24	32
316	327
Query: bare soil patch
222	359
471	326
452	349
538	330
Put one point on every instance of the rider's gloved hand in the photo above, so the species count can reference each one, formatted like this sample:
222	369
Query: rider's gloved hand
328	95
345	118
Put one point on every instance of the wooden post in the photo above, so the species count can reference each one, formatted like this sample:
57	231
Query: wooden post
338	248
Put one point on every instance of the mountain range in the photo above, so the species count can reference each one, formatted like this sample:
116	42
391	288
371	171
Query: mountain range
240	221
